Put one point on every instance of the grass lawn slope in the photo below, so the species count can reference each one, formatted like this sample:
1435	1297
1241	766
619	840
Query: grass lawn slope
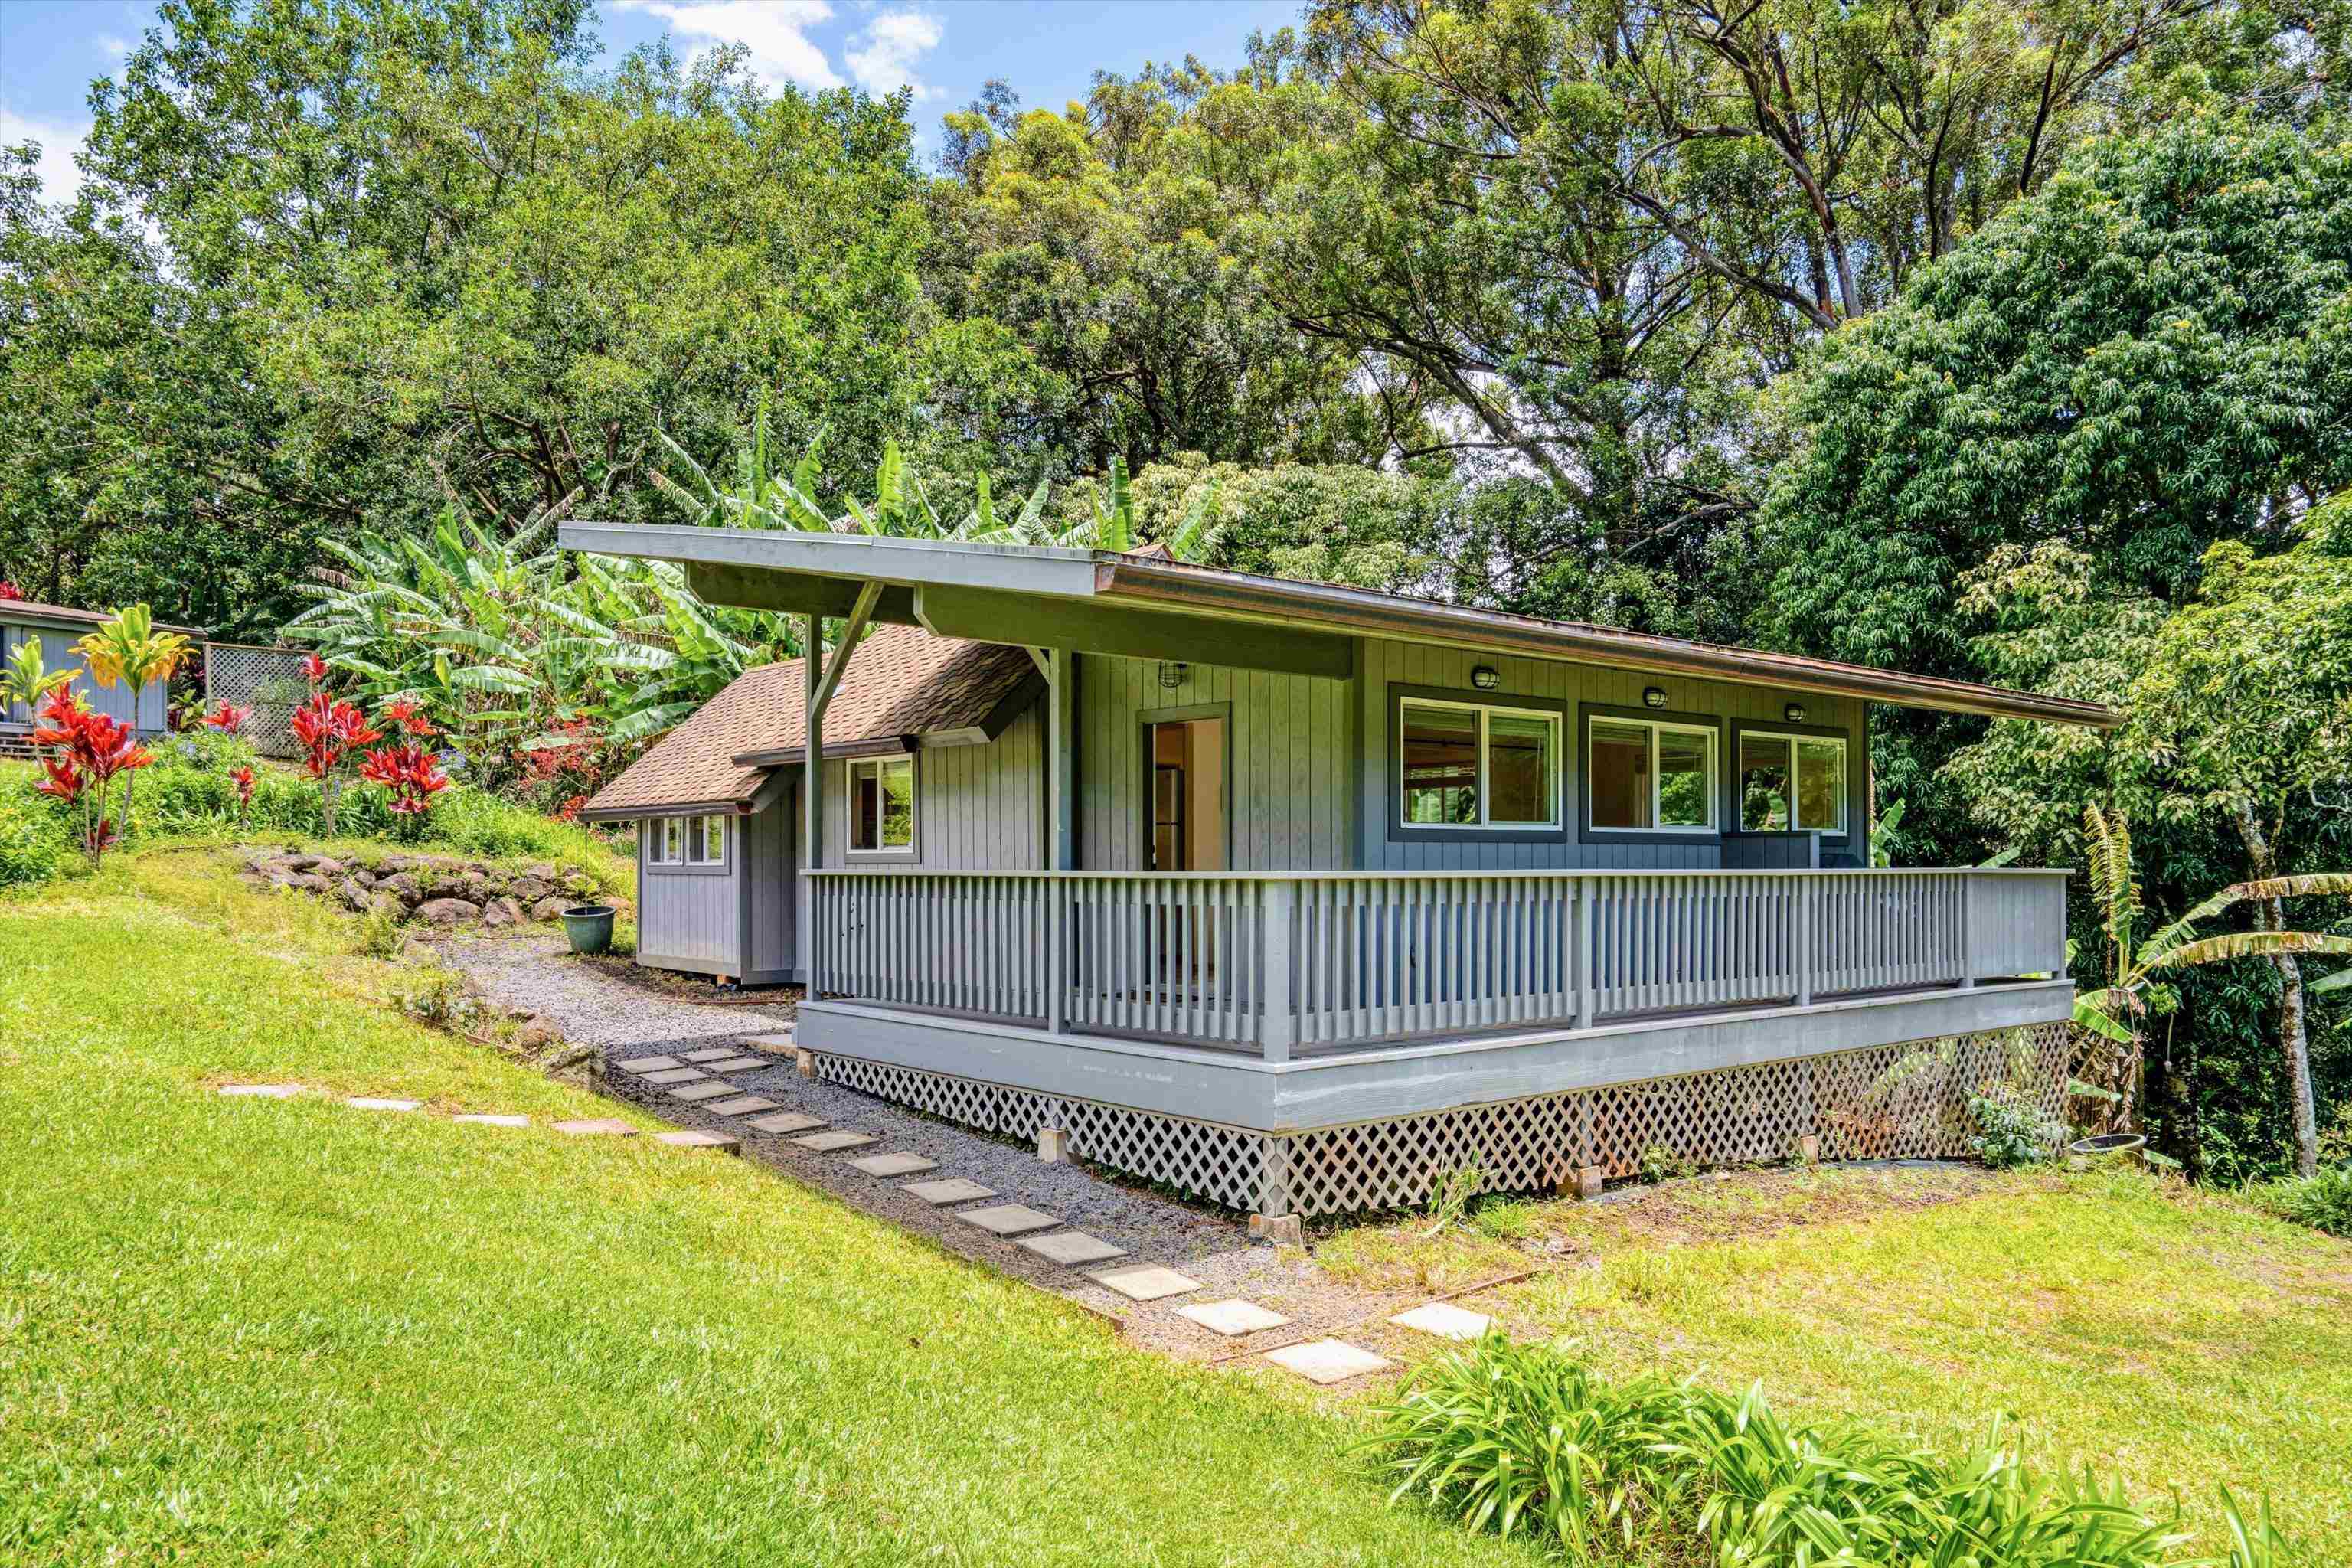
238	1331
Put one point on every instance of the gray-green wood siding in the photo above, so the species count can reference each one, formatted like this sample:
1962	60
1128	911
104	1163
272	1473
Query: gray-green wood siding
693	914
58	653
977	808
770	852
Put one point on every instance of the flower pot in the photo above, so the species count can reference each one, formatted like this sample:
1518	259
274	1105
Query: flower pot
589	927
2083	1151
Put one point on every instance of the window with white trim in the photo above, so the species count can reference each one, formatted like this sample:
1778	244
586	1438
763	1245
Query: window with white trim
1644	775
687	840
1467	764
882	805
1791	782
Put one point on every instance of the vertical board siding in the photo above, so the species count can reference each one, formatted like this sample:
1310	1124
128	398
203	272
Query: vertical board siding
58	653
692	916
1290	749
977	808
1390	663
770	849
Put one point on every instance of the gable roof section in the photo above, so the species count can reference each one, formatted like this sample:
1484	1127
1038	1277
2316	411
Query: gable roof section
902	683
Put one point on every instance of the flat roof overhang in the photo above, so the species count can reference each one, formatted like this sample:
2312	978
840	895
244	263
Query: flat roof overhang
1138	607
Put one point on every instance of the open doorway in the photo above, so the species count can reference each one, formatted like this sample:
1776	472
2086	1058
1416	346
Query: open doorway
1191	824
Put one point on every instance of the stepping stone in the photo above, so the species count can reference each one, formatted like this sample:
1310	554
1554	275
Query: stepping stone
949	1190
368	1102
830	1142
738	1064
1071	1247
1328	1360
1146	1281
708	1089
712	1054
649	1064
1008	1219
780	1041
894	1164
699	1140
1446	1321
786	1121
498	1118
597	1126
1233	1317
670	1076
741	1105
261	1090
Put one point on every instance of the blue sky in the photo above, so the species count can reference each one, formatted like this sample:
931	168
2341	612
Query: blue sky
1048	49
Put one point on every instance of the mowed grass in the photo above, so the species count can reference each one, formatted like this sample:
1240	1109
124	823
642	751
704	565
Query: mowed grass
2177	1340
242	1331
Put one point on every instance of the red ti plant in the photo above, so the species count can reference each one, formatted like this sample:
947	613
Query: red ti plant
228	719
90	749
243	779
329	730
411	773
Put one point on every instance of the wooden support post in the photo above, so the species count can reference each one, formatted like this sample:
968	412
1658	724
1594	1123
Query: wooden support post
1062	760
1584	946
1968	932
1052	1146
811	791
1808	915
1277	911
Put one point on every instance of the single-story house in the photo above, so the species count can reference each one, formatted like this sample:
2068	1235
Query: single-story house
1302	898
56	628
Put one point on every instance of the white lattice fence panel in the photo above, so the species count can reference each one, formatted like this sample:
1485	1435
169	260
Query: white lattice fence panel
268	681
1224	1165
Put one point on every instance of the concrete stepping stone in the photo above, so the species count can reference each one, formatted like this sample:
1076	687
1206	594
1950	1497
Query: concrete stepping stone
1233	1317
695	1139
1071	1247
738	1064
948	1190
597	1127
741	1105
1145	1281
1328	1360
708	1089
712	1053
1446	1321
261	1090
894	1164
369	1102
1008	1219
495	1119
670	1076
786	1121
833	1142
650	1064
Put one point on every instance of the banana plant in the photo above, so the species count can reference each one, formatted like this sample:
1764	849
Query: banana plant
2139	986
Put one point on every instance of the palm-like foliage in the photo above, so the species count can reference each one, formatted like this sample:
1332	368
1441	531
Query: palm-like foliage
2137	987
26	677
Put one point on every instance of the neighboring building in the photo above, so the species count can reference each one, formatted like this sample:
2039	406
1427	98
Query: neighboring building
57	628
1301	897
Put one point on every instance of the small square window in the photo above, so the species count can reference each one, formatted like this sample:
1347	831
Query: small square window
882	805
1792	782
1643	776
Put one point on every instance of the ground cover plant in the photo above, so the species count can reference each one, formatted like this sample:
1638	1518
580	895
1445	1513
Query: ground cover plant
297	1331
2180	1338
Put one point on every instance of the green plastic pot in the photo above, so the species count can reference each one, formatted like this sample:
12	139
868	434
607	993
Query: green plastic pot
589	927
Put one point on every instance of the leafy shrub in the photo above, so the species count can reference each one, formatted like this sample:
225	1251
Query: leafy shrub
1660	1163
1523	1437
2012	1130
2323	1202
207	750
32	845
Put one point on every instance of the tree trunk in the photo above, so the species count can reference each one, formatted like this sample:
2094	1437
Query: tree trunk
2294	1045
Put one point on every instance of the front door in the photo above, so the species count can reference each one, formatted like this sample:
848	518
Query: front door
1189	822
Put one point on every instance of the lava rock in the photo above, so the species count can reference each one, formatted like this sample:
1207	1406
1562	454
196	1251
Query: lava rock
448	912
305	882
354	895
404	886
551	908
502	911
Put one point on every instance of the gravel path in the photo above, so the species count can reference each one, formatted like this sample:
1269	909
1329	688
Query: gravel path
625	1018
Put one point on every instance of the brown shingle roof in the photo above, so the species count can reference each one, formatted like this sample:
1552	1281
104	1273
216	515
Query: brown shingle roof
901	680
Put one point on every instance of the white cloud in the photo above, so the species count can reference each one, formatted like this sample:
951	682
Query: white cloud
775	31
883	56
112	47
60	178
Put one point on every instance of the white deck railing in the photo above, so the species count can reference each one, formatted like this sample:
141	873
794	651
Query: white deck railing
1272	962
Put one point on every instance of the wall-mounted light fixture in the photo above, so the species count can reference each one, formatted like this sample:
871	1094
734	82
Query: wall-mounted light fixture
1794	712
1171	675
1654	697
1485	677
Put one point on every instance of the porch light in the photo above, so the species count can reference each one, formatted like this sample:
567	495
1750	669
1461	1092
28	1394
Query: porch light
1654	697
1485	677
1794	712
1171	675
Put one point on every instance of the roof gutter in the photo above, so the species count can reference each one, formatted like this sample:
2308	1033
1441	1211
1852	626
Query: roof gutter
1382	614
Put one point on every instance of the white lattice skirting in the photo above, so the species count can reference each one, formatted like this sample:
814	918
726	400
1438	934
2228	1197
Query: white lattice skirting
1888	1101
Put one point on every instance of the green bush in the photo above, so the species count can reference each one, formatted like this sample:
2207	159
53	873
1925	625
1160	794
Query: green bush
2012	1131
2323	1202
1522	1438
33	842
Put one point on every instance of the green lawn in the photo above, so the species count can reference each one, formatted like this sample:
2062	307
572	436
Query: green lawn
2180	1340
234	1331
